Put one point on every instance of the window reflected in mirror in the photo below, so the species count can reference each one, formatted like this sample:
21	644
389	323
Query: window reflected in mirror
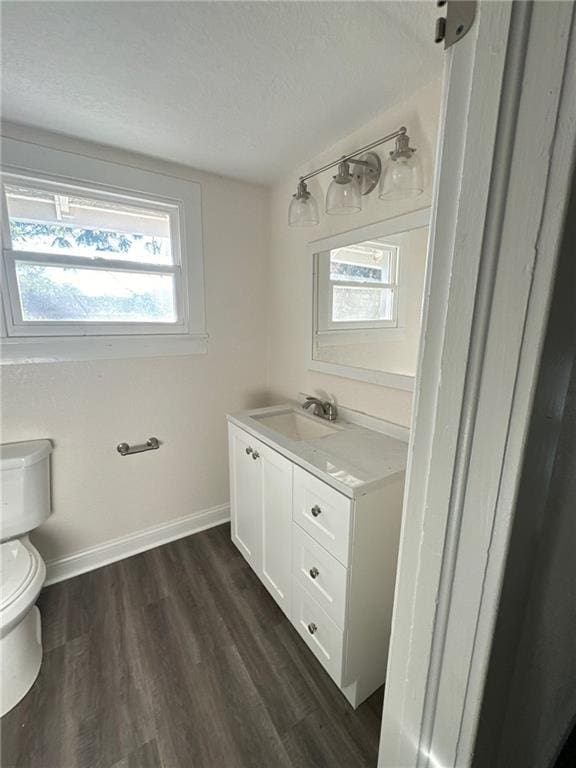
368	301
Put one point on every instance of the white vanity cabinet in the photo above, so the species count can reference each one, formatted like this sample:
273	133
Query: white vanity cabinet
327	558
261	497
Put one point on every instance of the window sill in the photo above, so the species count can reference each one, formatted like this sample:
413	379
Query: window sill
59	350
358	336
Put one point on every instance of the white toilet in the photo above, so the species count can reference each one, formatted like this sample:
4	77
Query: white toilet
25	498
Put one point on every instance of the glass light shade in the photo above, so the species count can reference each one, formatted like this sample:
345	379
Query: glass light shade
343	198
303	212
402	178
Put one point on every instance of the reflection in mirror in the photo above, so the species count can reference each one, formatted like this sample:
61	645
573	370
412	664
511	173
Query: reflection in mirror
368	300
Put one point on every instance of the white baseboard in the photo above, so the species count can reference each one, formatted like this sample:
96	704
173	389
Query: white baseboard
126	546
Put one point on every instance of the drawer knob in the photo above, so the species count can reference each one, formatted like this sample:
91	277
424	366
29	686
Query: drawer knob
312	628
314	573
255	455
315	510
249	450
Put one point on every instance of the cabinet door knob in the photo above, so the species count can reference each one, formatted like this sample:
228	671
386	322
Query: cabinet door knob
314	573
249	450
255	455
312	627
315	510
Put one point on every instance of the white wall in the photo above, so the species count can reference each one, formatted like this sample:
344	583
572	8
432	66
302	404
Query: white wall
86	408
256	292
289	289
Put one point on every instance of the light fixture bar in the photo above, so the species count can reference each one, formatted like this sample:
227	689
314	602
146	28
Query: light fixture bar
400	132
401	178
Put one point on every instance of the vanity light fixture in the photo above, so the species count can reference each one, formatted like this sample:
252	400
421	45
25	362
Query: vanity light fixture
344	194
402	179
303	211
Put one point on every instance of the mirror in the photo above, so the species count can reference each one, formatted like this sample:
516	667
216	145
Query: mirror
368	286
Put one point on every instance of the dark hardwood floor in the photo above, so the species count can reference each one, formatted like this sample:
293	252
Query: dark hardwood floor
179	658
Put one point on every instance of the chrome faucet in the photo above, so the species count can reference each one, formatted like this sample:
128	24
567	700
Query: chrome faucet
325	410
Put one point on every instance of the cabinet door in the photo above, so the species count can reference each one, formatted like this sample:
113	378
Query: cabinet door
276	525
245	495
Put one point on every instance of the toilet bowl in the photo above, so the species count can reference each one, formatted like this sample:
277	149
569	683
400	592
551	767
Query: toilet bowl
25	497
22	574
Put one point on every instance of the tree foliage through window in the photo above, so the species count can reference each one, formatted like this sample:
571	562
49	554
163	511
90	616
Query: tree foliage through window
65	237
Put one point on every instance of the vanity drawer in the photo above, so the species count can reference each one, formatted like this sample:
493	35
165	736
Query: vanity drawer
324	513
320	574
319	632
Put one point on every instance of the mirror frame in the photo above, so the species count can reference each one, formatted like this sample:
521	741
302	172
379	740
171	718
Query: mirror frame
384	228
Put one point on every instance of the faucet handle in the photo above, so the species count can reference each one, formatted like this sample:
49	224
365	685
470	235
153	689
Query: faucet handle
330	410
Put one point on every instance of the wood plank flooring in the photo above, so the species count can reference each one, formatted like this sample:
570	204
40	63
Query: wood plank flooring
179	658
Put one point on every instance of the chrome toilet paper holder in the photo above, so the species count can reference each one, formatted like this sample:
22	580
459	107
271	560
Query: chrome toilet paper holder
125	449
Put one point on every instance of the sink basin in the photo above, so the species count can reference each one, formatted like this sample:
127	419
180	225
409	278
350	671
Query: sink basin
297	426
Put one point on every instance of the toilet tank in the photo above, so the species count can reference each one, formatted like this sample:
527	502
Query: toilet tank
25	486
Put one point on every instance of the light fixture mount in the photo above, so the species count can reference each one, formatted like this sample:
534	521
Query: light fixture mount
368	168
301	191
343	176
402	148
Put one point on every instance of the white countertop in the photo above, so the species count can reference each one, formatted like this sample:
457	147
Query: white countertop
354	460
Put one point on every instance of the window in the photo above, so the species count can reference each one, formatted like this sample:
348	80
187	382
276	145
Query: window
357	287
79	257
88	261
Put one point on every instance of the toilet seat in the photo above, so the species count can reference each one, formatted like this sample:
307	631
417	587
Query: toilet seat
22	574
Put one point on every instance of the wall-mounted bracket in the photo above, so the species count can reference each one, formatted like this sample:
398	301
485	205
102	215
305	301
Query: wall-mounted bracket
367	171
125	449
460	15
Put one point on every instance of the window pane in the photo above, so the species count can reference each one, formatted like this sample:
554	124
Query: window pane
340	270
367	262
50	222
66	294
361	304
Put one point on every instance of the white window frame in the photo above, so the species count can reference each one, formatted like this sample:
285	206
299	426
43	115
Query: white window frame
44	341
325	296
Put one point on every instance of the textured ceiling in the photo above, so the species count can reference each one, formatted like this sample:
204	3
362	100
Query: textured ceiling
245	89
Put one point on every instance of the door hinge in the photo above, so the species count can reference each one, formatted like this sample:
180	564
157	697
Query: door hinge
459	18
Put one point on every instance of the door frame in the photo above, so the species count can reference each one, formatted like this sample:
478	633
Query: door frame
504	168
